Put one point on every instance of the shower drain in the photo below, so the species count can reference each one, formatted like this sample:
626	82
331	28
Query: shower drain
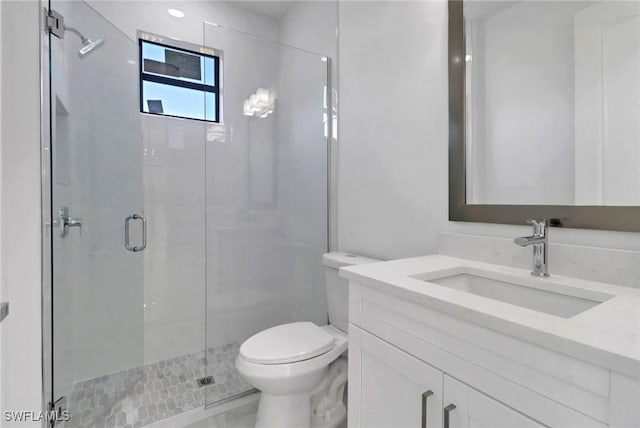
207	380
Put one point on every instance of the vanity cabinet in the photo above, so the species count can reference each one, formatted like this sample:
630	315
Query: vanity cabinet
399	350
391	388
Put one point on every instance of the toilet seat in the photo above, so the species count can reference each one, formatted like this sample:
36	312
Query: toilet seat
300	368
287	343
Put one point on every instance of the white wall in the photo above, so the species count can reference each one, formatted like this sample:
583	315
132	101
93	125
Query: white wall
393	127
1	287
393	135
21	338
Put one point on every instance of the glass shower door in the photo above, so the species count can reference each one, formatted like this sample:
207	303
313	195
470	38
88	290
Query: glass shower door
97	216
266	197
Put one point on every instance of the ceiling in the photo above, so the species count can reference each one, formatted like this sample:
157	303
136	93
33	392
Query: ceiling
274	9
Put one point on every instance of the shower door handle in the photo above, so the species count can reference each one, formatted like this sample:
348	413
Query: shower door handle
65	222
127	244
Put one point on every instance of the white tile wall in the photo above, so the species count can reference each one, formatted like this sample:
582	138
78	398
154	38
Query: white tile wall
174	199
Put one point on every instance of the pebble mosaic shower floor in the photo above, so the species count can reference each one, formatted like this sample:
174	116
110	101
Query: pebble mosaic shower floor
143	395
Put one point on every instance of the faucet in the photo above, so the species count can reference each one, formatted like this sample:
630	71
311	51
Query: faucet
539	240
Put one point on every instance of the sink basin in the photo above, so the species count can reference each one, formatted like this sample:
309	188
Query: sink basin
541	295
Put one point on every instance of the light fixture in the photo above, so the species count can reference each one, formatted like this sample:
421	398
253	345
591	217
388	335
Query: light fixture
260	104
176	13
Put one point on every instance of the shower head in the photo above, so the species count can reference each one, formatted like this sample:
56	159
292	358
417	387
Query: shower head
89	45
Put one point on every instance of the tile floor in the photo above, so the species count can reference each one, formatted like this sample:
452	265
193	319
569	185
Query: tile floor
143	395
239	417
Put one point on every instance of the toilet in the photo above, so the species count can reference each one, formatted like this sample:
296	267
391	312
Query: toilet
301	368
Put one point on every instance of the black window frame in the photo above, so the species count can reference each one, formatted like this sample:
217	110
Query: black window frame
147	77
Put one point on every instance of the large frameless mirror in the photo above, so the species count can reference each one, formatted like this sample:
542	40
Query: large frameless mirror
545	112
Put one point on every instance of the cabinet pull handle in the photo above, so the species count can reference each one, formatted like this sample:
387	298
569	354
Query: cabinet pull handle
447	412
425	395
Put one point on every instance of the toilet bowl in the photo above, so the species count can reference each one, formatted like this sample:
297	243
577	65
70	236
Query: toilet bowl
300	368
292	378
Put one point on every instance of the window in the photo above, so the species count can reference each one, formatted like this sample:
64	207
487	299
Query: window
179	83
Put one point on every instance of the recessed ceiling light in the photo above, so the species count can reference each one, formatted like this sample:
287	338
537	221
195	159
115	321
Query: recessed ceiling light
176	13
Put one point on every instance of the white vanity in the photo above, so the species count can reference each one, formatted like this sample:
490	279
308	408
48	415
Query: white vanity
438	341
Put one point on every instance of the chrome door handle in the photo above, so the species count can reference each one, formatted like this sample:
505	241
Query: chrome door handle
425	395
447	414
65	222
127	244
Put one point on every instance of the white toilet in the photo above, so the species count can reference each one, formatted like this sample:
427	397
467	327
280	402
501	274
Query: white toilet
300	367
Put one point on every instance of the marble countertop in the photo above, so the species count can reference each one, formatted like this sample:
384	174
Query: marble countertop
607	335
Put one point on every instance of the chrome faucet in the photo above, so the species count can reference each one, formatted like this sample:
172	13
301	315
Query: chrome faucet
539	240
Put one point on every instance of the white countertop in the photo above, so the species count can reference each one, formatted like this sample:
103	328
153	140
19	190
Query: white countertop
607	335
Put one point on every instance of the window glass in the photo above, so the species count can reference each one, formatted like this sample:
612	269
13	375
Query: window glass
177	101
176	82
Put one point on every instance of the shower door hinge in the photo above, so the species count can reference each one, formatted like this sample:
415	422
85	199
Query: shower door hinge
57	412
55	23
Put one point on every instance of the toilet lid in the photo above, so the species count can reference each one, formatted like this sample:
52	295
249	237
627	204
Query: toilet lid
287	343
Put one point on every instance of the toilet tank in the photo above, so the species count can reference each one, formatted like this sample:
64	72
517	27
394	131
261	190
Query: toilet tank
337	287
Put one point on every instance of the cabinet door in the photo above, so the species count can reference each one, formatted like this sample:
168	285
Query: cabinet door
389	388
468	408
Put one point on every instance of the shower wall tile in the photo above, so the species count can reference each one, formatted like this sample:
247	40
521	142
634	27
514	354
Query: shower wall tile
162	339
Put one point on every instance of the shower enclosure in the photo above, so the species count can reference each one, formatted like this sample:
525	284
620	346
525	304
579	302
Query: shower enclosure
170	240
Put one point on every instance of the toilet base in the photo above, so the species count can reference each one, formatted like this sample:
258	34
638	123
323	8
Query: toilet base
321	408
328	406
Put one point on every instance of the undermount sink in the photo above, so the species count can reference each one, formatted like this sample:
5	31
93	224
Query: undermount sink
541	295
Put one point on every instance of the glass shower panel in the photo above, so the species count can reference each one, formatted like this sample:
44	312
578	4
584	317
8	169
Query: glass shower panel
266	197
96	163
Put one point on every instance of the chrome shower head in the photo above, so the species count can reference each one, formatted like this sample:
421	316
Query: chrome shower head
89	45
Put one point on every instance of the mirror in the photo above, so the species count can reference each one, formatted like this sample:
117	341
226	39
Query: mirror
545	112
